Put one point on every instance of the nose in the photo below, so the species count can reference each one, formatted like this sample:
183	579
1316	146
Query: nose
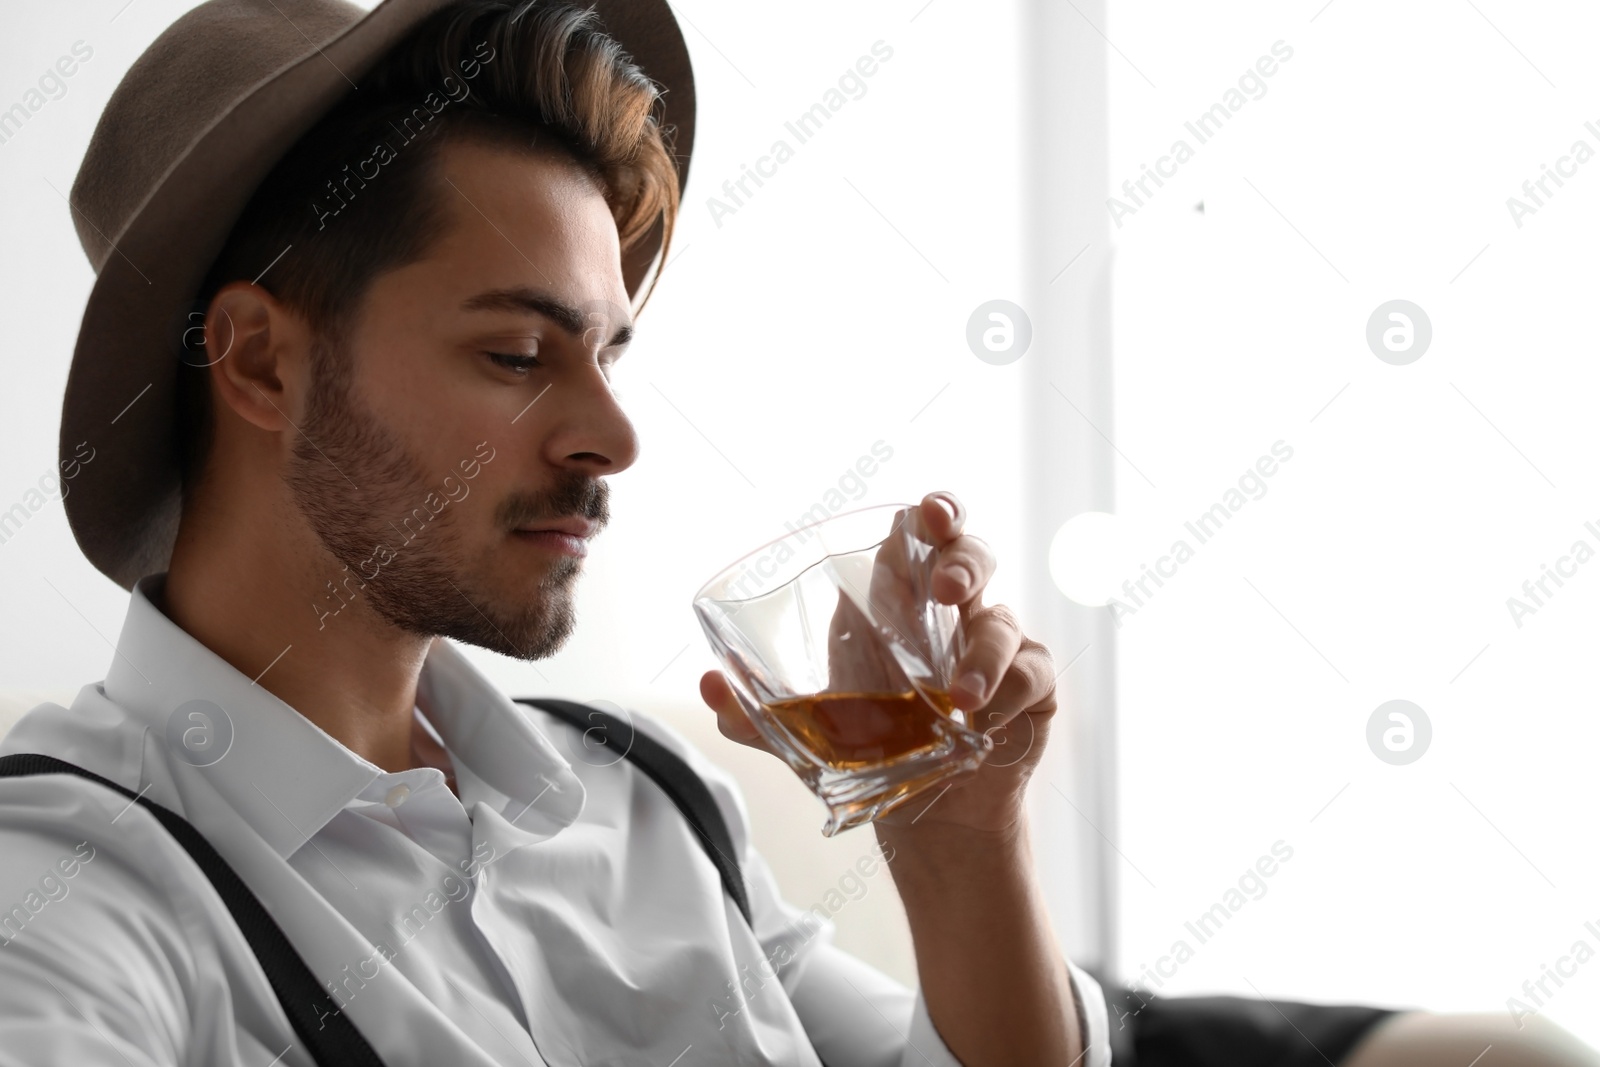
591	431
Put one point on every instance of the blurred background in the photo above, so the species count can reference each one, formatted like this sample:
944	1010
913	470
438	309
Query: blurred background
1257	363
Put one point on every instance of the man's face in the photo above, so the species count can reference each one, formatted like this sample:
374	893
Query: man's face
418	470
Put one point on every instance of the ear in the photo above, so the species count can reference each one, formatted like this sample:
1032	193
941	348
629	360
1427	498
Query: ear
260	357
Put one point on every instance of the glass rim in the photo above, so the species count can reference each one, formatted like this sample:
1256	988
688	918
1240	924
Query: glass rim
724	571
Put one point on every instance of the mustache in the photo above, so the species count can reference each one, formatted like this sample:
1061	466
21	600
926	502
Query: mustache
575	494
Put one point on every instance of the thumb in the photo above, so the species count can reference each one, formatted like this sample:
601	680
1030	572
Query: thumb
731	718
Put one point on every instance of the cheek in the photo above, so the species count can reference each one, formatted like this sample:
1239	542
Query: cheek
484	493
406	387
437	424
398	360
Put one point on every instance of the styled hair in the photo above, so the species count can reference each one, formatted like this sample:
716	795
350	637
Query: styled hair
359	194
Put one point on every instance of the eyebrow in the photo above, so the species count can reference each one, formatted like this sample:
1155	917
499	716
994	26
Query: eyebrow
533	302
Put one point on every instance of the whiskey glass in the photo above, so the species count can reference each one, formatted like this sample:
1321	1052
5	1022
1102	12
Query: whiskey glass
835	647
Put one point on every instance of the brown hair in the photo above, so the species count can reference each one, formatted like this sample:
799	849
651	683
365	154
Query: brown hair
534	74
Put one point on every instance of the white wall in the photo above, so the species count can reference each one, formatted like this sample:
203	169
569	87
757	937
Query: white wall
1379	562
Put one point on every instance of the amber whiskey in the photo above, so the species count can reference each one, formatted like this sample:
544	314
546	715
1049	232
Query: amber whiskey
848	731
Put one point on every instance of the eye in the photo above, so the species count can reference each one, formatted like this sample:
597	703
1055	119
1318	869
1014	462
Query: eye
514	362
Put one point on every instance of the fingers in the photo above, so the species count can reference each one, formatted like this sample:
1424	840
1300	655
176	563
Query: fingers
732	721
964	568
965	562
1028	685
993	640
1015	719
944	516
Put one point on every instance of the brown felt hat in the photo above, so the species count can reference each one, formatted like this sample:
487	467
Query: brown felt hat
193	128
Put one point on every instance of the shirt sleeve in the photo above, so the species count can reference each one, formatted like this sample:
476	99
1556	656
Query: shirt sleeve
91	962
853	1013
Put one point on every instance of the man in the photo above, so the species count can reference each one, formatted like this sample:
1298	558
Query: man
394	425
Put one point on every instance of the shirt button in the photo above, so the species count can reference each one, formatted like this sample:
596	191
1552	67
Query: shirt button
397	795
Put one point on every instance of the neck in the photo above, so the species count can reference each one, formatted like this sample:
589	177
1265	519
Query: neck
353	674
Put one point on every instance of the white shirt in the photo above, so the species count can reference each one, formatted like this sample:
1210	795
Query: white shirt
559	912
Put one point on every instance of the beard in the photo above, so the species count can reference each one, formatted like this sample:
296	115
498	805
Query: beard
356	485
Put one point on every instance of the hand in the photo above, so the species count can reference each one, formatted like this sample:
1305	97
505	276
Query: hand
1013	705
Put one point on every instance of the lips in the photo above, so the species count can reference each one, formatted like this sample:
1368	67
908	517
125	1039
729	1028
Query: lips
573	525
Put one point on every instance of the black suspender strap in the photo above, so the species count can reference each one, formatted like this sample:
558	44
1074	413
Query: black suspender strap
317	1020
685	788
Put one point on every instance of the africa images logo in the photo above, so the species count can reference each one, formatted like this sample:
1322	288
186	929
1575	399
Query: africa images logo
410	128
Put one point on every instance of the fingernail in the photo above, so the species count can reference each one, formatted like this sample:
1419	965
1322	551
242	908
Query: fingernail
949	508
961	573
973	682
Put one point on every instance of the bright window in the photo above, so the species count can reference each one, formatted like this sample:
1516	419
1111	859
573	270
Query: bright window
1382	559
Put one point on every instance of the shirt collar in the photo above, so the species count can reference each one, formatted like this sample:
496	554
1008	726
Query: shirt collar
500	757
285	775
